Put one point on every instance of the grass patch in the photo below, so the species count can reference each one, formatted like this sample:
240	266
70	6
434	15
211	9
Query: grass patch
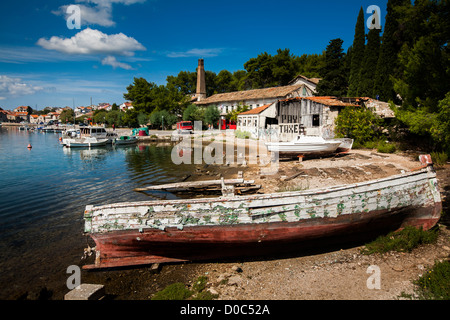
402	241
382	146
175	291
435	283
386	147
178	291
242	134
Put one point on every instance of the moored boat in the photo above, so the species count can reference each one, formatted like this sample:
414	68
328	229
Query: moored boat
125	140
85	142
69	134
135	233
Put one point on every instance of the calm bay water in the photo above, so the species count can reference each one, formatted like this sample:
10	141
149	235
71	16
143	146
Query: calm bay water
43	193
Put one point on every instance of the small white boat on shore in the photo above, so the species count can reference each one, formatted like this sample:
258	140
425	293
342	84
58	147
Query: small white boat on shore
125	140
85	142
305	145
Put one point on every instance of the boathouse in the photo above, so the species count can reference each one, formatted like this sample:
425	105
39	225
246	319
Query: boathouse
284	119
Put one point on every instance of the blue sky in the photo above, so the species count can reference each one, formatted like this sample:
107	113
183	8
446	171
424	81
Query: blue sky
44	63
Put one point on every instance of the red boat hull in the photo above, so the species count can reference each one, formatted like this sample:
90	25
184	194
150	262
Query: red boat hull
138	247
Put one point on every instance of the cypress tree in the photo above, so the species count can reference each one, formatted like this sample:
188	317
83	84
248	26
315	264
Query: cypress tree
357	55
369	65
389	50
334	82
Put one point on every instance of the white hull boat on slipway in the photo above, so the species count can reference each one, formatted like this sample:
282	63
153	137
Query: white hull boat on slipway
310	145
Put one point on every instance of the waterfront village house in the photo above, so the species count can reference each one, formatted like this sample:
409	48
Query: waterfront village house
22	116
82	110
34	118
21	109
52	116
125	106
314	116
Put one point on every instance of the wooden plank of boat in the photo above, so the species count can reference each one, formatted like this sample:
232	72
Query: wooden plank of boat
195	184
209	228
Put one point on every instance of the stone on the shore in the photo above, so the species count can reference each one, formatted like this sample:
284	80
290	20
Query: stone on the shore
86	291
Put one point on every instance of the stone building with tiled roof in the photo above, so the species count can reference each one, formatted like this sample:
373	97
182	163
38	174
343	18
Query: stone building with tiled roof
227	102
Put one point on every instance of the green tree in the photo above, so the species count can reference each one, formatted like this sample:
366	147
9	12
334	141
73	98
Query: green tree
140	93
391	43
193	113
185	82
357	55
162	119
67	116
100	116
212	115
284	67
239	81
223	81
259	71
424	60
334	82
369	64
114	117
440	129
142	118
129	118
422	80
310	65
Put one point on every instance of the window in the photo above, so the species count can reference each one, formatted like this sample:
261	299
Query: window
316	120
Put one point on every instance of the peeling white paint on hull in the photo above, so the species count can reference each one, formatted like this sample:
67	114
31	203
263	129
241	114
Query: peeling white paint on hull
179	230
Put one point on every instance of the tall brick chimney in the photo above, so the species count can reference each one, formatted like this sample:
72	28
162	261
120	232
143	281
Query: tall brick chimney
201	81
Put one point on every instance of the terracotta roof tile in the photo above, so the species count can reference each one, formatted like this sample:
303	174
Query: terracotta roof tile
256	110
275	92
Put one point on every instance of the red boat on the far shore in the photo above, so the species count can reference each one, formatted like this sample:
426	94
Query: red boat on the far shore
136	233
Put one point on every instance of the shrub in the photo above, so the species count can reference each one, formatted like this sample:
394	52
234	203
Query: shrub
357	123
435	283
402	241
439	158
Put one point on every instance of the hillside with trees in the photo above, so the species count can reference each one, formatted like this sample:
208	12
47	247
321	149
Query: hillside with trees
407	63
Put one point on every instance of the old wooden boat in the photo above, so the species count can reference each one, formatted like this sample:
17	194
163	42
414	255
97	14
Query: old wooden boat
135	233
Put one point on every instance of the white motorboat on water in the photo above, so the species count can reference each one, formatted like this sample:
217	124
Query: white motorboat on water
85	142
88	132
69	134
310	145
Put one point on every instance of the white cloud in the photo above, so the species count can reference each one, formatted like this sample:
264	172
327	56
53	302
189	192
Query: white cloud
205	53
99	13
91	41
15	87
112	61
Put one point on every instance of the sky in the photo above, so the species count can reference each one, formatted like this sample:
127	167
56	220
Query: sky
61	53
